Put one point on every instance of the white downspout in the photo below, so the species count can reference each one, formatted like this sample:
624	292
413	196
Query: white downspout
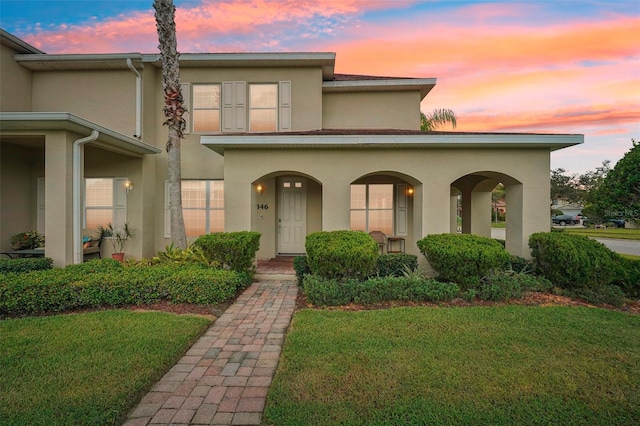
138	99
76	177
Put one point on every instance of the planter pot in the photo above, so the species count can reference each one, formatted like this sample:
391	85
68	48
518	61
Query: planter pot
118	256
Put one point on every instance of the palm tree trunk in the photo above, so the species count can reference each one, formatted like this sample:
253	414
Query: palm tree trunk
173	111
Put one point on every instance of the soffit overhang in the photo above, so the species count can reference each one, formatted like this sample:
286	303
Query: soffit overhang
78	62
118	61
25	122
424	85
400	140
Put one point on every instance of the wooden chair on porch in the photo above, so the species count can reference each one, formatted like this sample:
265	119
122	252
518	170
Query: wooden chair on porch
380	238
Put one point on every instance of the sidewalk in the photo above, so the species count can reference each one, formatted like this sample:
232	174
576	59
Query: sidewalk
223	379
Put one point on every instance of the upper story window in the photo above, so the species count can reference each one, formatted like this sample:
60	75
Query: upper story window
263	107
206	108
238	106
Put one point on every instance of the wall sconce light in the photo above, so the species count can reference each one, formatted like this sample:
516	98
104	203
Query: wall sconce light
260	189
128	185
410	191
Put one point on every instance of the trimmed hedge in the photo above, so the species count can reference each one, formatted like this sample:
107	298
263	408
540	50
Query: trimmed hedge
106	283
574	261
332	292
233	250
394	264
341	255
301	266
463	258
26	264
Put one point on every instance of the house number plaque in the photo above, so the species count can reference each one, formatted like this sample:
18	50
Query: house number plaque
262	206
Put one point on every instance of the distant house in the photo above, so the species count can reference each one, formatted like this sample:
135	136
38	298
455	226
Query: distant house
276	142
566	207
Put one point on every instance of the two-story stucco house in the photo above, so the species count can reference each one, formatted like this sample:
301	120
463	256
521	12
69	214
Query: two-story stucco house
276	142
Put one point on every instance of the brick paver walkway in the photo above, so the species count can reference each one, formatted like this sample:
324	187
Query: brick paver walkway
224	377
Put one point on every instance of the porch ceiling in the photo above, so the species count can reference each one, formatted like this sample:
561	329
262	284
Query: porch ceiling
386	139
26	122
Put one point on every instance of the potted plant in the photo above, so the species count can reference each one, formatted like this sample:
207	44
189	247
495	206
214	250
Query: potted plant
118	237
27	240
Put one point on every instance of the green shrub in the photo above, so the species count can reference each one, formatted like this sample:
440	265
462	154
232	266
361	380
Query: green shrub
573	261
463	258
201	286
628	277
106	283
301	266
341	254
327	291
500	286
192	254
394	264
25	264
232	250
519	264
331	292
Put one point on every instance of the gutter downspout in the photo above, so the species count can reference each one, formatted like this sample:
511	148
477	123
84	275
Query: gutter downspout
138	99
77	175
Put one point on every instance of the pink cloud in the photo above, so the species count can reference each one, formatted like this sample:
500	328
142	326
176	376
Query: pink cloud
204	21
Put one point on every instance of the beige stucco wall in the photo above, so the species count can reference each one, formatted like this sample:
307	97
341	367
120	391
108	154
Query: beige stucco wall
15	83
431	172
104	97
19	168
377	110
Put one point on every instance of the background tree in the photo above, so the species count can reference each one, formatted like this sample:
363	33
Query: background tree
618	196
497	195
563	186
173	111
437	118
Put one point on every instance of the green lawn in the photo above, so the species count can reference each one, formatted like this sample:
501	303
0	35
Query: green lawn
481	365
498	224
89	368
621	233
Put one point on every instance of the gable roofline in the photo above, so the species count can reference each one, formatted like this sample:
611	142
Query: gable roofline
389	139
43	121
16	43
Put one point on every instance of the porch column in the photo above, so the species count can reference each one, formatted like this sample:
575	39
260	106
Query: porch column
481	213
436	205
336	204
58	198
238	193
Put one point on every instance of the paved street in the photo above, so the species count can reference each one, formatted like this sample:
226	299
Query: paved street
619	246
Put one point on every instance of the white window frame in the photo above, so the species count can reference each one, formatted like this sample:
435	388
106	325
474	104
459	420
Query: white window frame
399	208
234	110
208	208
194	109
118	204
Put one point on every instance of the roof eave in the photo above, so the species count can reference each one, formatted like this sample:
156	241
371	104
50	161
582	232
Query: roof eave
219	143
424	85
42	121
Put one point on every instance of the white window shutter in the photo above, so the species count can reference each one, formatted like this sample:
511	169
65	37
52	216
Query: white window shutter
284	106
401	209
167	213
234	106
119	201
186	101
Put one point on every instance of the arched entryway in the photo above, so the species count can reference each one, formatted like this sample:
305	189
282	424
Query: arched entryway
471	206
287	206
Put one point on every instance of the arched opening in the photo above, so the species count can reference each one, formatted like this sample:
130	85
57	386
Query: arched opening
481	199
384	202
287	206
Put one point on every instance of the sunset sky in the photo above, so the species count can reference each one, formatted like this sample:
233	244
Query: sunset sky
505	66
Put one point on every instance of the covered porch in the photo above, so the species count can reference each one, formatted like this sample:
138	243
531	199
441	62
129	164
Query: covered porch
44	160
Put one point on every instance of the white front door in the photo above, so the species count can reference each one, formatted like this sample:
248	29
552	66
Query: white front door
292	215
